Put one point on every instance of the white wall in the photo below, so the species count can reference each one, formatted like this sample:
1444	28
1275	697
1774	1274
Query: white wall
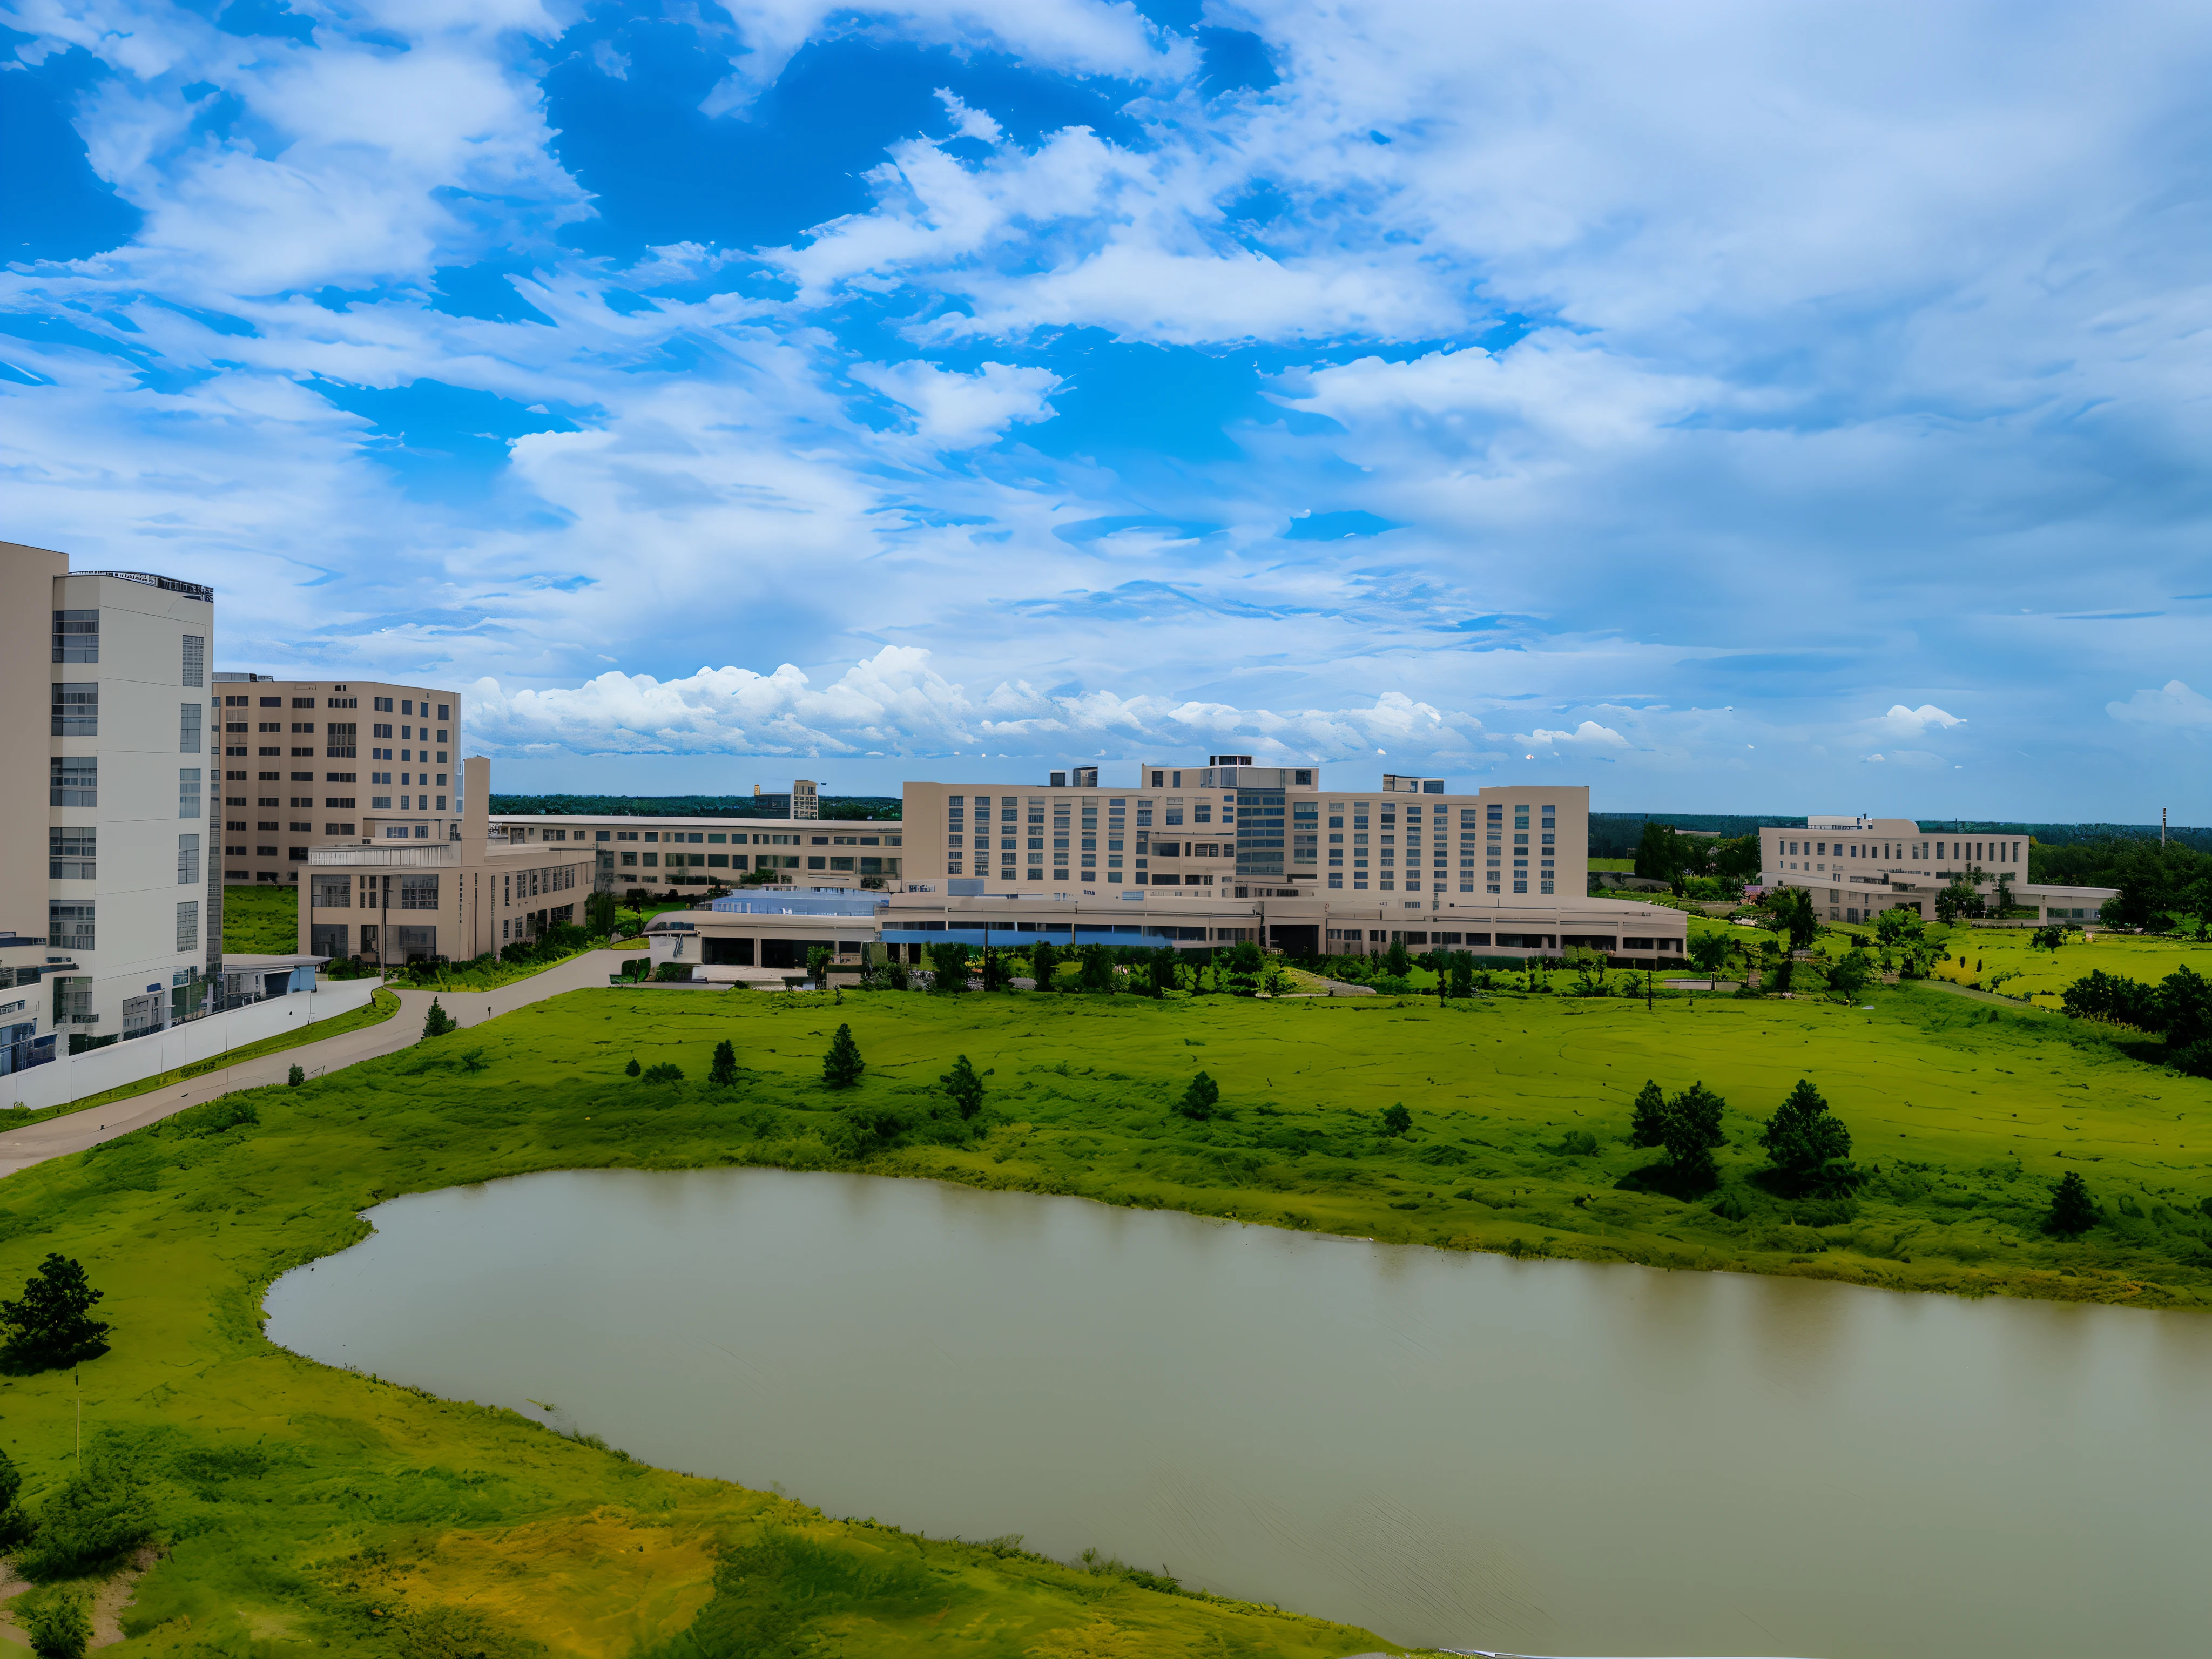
72	1078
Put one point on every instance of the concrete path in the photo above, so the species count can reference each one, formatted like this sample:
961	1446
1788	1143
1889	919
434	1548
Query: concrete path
56	1137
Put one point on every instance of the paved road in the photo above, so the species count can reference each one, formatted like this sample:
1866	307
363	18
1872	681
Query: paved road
57	1136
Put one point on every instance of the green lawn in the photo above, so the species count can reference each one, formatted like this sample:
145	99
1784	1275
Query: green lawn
1980	954
260	920
310	1506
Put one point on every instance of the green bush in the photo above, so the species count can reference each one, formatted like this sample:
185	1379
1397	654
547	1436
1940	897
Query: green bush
57	1623
673	973
664	1071
100	1516
51	1324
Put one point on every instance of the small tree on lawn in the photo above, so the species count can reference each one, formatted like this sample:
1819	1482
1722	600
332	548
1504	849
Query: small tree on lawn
817	964
1202	1099
1044	961
1851	974
1647	1119
842	1066
1709	952
57	1623
724	1071
438	1021
1395	961
51	1324
1095	972
2047	939
296	1077
1166	967
633	1069
599	911
1396	1120
965	1087
1807	1145
2072	1210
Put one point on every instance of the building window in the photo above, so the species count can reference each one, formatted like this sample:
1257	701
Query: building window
188	792
188	860
194	671
76	708
72	854
419	892
73	779
68	928
188	921
188	728
338	740
76	636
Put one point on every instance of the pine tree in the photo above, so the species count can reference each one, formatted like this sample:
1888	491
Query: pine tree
2072	1210
633	1069
724	1071
965	1087
1397	1120
296	1077
53	1324
842	1066
1804	1137
1202	1099
1647	1122
438	1021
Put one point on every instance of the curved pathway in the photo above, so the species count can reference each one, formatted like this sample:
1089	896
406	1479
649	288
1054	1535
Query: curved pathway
57	1137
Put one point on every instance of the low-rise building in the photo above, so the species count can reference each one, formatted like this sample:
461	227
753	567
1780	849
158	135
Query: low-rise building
395	898
643	851
1856	867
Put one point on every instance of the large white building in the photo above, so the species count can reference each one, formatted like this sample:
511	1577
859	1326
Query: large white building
1856	867
111	899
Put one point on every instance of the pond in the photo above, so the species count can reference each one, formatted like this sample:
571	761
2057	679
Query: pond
1551	1457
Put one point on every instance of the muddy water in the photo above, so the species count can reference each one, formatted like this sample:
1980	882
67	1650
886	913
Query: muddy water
1456	1449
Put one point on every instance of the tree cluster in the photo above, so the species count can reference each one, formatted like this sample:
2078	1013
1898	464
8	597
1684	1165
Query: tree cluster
2177	1008
1808	1149
1688	1126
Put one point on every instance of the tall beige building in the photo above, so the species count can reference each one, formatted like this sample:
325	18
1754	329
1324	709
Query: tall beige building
309	763
111	907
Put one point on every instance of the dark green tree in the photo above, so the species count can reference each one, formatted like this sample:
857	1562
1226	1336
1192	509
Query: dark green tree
1202	1099
1247	967
2072	1210
296	1077
724	1071
1807	1145
1850	974
633	1069
666	1071
950	964
437	1022
52	1323
1044	962
1396	961
1462	974
2047	939
1709	951
842	1066
57	1623
965	1087
600	913
1396	1120
1647	1120
1698	1111
2185	1007
817	964
1095	972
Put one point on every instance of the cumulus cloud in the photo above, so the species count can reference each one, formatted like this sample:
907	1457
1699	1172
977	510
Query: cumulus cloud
953	410
895	704
1907	722
1589	736
2172	704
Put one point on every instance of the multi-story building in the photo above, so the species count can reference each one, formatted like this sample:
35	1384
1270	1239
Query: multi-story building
1856	867
638	852
1214	855
310	763
1233	829
397	896
111	911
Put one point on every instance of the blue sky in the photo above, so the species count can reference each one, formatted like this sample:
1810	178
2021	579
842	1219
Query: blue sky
1732	407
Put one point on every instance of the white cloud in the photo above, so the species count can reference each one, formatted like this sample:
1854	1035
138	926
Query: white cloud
895	704
1911	722
2172	704
959	411
1589	735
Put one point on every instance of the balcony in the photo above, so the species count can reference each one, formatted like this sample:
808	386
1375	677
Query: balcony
412	855
167	584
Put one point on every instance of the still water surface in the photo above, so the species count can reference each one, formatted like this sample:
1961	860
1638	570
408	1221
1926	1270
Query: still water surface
1464	1449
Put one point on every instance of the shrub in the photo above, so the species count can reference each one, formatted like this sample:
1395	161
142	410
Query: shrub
437	1022
1396	1120
57	1623
842	1066
633	1069
1807	1147
2072	1210
296	1077
2196	1059
964	1086
52	1323
99	1517
1648	1117
1576	1143
724	1071
1201	1099
664	1071
673	973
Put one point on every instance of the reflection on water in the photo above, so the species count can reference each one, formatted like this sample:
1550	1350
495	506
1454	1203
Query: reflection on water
1546	1457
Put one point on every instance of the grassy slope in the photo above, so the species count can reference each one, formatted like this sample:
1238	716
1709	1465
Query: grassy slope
314	1508
1980	953
304	1497
260	921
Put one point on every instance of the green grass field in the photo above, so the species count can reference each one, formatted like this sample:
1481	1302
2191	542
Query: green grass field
260	920
311	1507
1981	954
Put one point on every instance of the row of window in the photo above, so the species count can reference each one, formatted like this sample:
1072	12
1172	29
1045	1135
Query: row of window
72	926
1973	852
76	639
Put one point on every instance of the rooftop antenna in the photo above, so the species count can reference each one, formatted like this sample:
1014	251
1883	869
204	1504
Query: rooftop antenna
2161	826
